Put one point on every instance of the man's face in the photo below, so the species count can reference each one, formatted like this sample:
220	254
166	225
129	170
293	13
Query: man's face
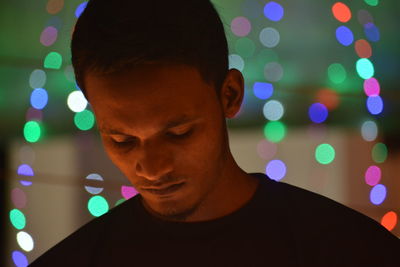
163	127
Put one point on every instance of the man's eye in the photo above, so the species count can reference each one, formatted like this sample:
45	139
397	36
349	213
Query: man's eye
123	141
180	134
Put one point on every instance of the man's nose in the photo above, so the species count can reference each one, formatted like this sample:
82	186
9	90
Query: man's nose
153	163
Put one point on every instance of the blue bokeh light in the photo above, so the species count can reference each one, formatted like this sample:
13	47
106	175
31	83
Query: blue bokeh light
80	9
378	194
263	90
273	11
25	170
371	32
276	169
344	35
318	112
375	104
19	258
39	98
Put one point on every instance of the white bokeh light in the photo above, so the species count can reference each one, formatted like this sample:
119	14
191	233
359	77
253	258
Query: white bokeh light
273	110
77	101
25	241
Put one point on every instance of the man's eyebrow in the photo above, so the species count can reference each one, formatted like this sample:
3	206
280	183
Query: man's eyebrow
170	124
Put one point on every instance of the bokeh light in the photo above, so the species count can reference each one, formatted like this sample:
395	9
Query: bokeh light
337	73
375	105
76	101
80	9
39	98
53	60
364	17
55	22
373	175
317	132
273	110
17	219
318	113
369	131
363	48
251	8
273	11
276	169
372	87
378	194
273	72
19	259
48	36
32	131
84	120
54	6
18	198
324	153
236	62
33	114
128	191
97	206
328	98
344	35
245	47
275	131
269	37
25	170
91	189
25	241
241	26
266	150
341	12
120	201
379	152
365	68
372	2
389	220
37	79
372	32
263	90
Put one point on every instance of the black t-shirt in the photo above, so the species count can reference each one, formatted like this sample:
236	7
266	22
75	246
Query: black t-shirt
281	225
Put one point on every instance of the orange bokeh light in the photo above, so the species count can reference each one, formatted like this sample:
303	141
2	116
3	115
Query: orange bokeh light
389	220
341	12
363	48
328	97
54	6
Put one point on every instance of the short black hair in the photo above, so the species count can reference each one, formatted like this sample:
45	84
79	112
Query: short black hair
113	36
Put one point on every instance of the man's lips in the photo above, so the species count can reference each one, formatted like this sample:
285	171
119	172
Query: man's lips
165	190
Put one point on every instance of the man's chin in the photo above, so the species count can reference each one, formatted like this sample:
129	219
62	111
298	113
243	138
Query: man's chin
169	210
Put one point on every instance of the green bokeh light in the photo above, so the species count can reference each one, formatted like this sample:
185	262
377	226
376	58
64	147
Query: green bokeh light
275	131
122	200
97	206
337	73
32	131
53	61
84	120
372	2
324	153
245	47
17	219
379	152
365	68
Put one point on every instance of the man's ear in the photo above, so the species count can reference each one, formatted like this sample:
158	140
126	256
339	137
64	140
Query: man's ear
231	94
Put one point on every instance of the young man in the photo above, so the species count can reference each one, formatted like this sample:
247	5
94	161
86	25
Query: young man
156	75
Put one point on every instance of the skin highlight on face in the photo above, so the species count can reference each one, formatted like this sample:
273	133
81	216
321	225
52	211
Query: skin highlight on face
164	127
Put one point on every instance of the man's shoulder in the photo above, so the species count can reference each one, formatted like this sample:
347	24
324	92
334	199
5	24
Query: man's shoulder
319	223
87	237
